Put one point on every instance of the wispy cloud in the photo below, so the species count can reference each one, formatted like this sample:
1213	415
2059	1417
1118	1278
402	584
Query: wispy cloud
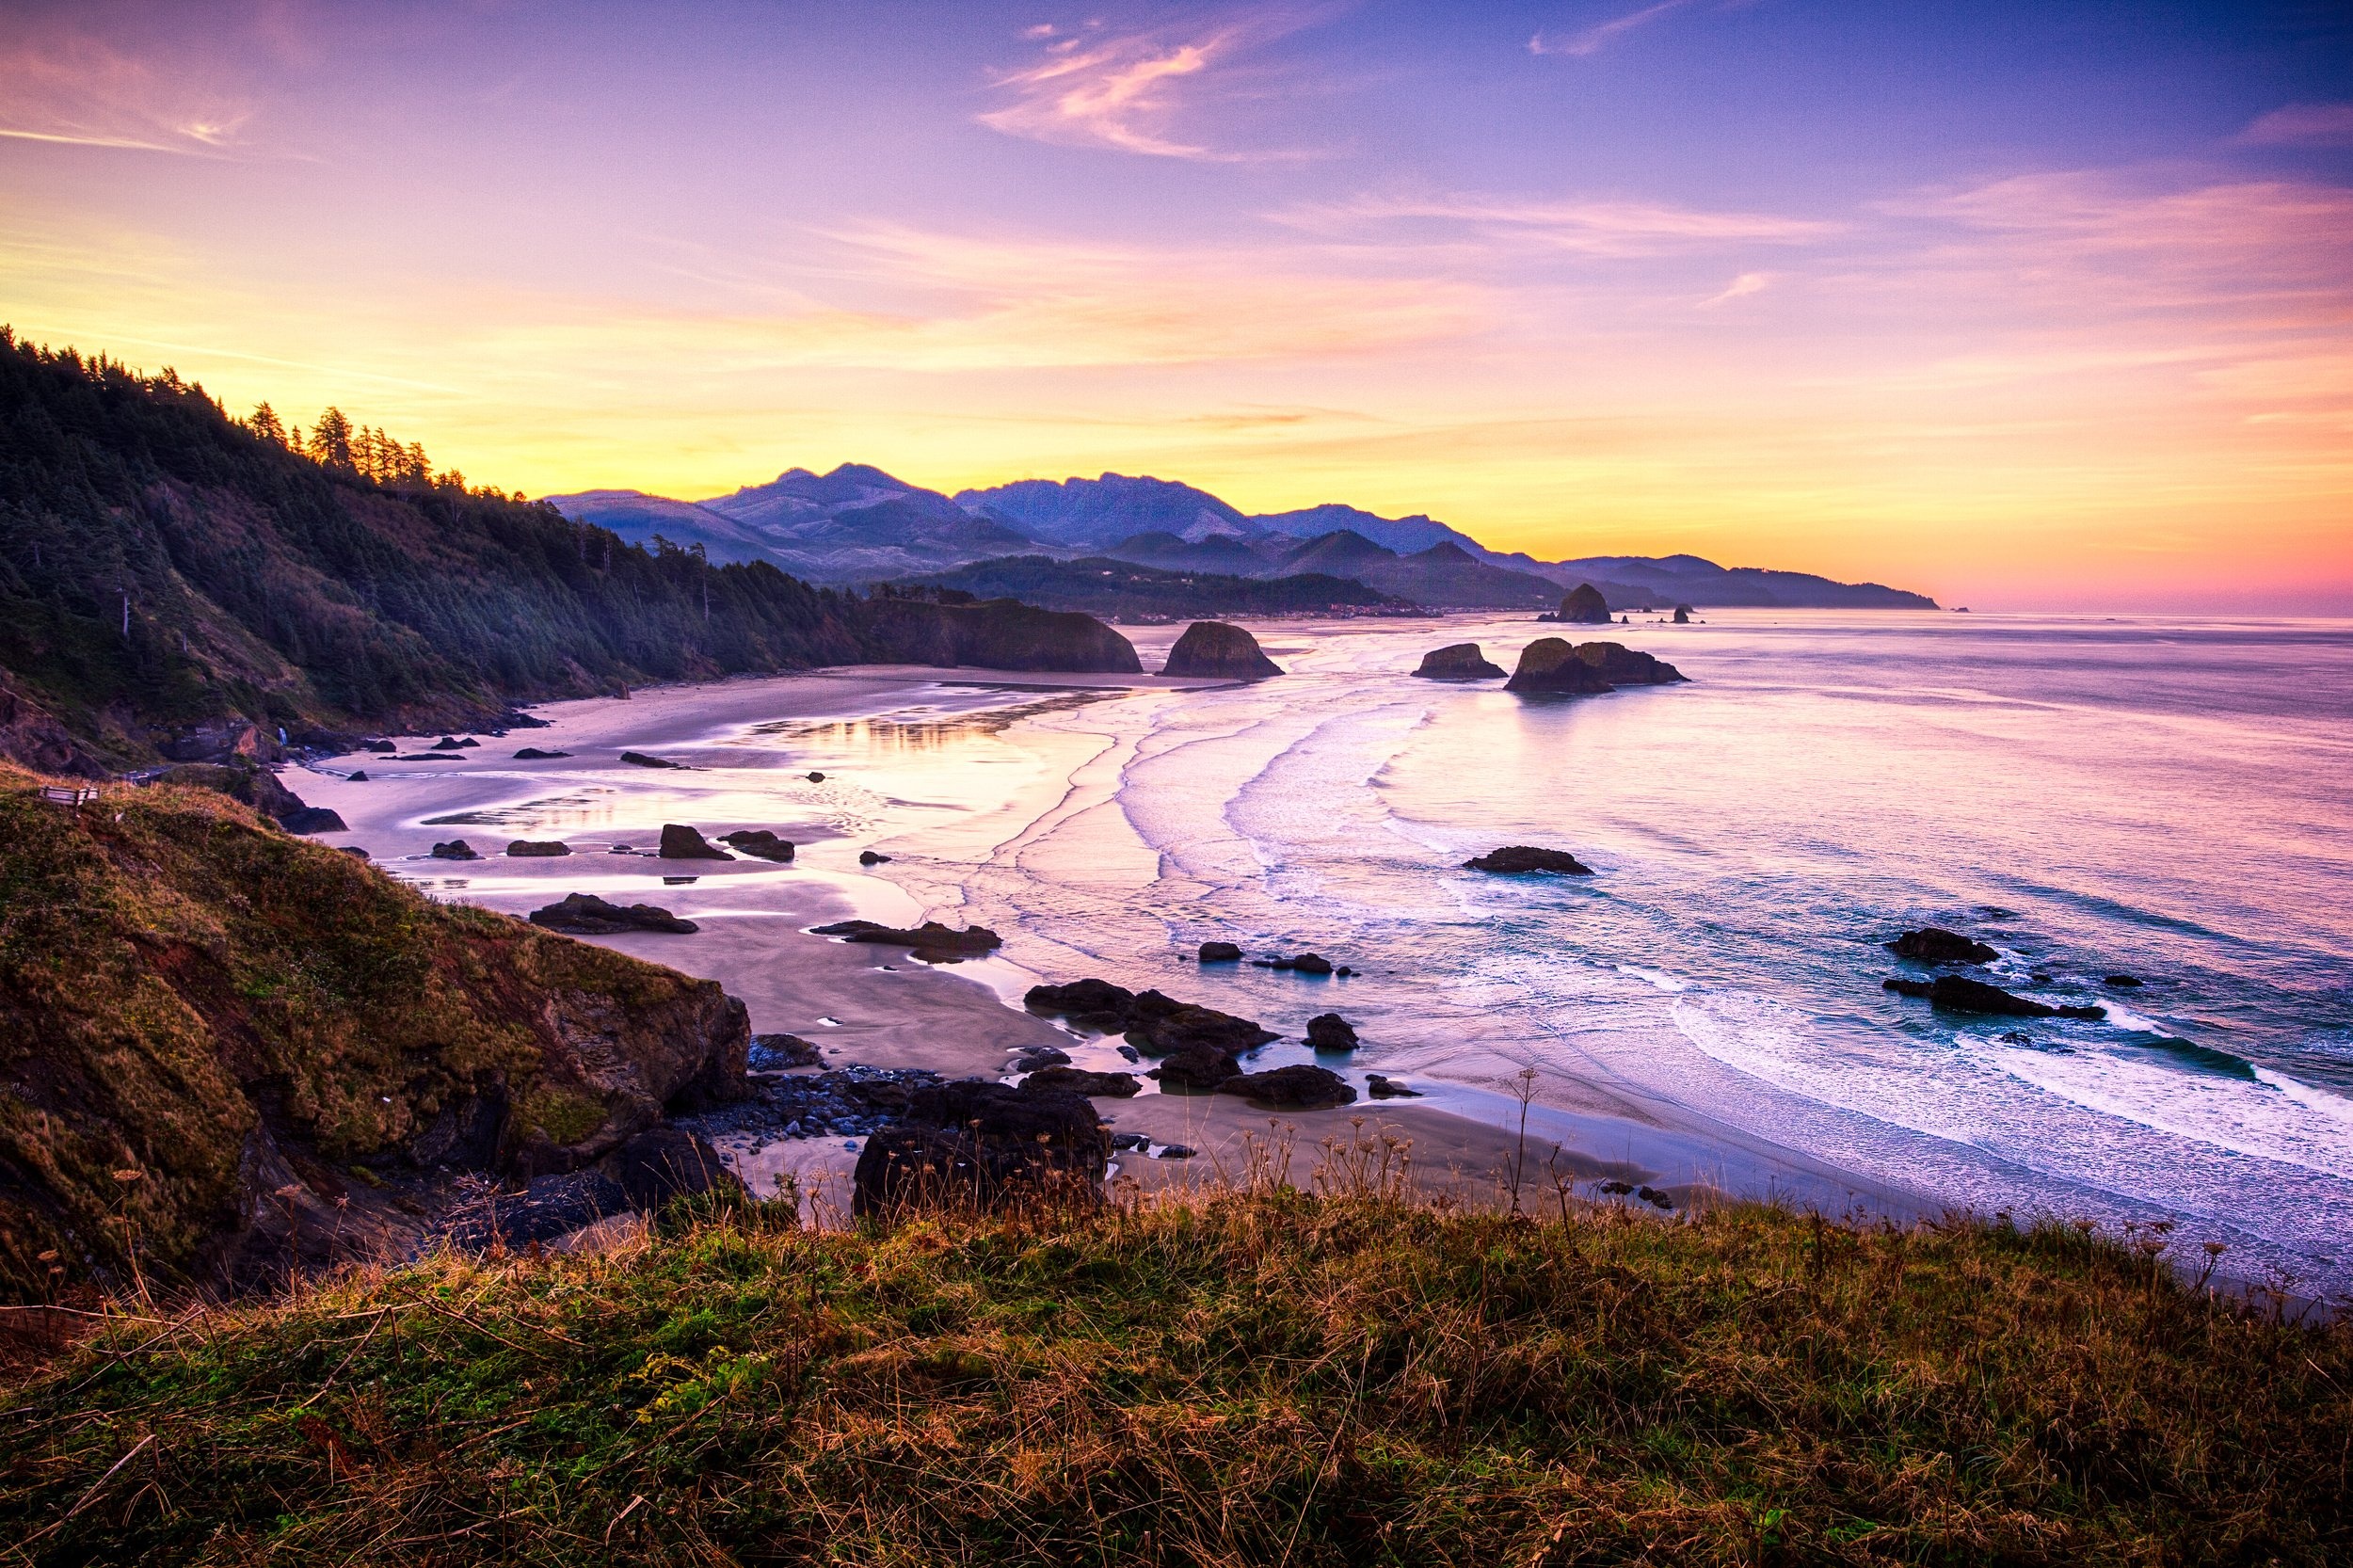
68	89
1595	228
1740	288
1128	92
2302	125
1592	41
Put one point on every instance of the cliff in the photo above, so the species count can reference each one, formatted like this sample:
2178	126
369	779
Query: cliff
222	1046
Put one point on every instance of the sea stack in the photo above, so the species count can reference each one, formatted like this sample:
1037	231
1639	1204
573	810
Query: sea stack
1216	649
1683	615
1550	665
1458	661
1585	606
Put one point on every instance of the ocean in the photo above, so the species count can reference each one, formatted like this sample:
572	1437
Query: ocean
2172	800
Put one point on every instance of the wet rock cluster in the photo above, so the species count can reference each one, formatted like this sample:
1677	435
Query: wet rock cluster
929	943
843	1102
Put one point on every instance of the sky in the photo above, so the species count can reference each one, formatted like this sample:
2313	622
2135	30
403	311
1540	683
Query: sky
2035	305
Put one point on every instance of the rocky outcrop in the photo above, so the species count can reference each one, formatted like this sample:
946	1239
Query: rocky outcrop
1585	606
997	633
456	849
1297	1088
1195	1069
1520	859
929	943
1555	666
169	1052
1458	661
1382	1088
1332	1033
538	849
31	737
681	843
640	760
1953	993
986	1144
245	779
776	1053
1683	615
586	914
1079	1080
1549	665
760	844
1216	651
1219	953
312	818
1933	944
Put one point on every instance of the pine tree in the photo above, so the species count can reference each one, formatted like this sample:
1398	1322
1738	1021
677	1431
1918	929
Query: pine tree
265	425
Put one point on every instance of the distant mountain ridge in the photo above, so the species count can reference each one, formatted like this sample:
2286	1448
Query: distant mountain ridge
858	524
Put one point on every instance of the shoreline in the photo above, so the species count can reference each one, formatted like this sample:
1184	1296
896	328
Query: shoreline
876	1006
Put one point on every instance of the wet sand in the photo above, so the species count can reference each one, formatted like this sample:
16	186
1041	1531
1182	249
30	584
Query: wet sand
875	1005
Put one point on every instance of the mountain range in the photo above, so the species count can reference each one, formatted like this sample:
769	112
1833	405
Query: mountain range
858	524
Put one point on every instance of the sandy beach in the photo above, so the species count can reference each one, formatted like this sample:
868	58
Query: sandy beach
745	760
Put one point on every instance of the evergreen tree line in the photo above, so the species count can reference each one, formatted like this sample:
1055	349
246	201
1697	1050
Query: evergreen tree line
162	563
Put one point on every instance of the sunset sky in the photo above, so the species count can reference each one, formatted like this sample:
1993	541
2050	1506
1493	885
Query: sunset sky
2022	305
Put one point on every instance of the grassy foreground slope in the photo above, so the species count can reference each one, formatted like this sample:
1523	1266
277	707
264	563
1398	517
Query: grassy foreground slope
1250	1378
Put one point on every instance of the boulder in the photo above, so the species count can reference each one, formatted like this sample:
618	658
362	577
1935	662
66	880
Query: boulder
1160	1025
1622	666
1953	993
1388	1088
1297	1088
533	754
1585	606
457	849
1195	1069
774	1053
542	849
638	759
1330	1031
1077	1081
975	1142
1219	953
1683	615
1549	665
449	743
1458	661
358	776
312	818
1312	963
665	1163
760	844
929	943
2121	982
1216	649
382	747
681	843
871	858
1933	944
1095	1006
1036	1056
816	777
586	914
1519	859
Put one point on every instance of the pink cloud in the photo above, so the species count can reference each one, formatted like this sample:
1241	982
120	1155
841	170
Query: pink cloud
2302	125
68	88
1592	41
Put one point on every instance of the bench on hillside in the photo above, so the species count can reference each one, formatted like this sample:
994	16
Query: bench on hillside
67	795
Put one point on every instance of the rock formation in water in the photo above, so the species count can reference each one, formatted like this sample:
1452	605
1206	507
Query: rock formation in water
1519	859
1295	1088
213	1028
1458	661
1683	615
759	843
1332	1033
525	849
1554	665
1585	606
681	843
1215	649
929	943
586	914
1933	944
1953	993
1219	953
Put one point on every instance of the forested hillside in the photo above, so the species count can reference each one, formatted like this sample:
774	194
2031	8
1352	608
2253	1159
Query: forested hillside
164	566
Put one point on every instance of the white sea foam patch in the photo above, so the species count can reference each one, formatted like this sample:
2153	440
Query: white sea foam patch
1660	978
1848	1069
2263	1118
2124	1018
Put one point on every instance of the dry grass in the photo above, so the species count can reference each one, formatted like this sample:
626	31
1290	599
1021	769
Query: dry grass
1251	1375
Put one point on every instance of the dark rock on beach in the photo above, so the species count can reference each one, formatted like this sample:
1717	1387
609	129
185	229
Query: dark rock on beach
1296	1088
2121	982
871	858
929	943
975	1142
816	777
544	849
312	818
1330	1031
1935	945
1079	1080
533	754
776	1053
1195	1069
1520	859
1585	606
639	759
760	844
1382	1088
1219	953
681	843
457	849
586	914
1458	661
1953	993
1216	649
